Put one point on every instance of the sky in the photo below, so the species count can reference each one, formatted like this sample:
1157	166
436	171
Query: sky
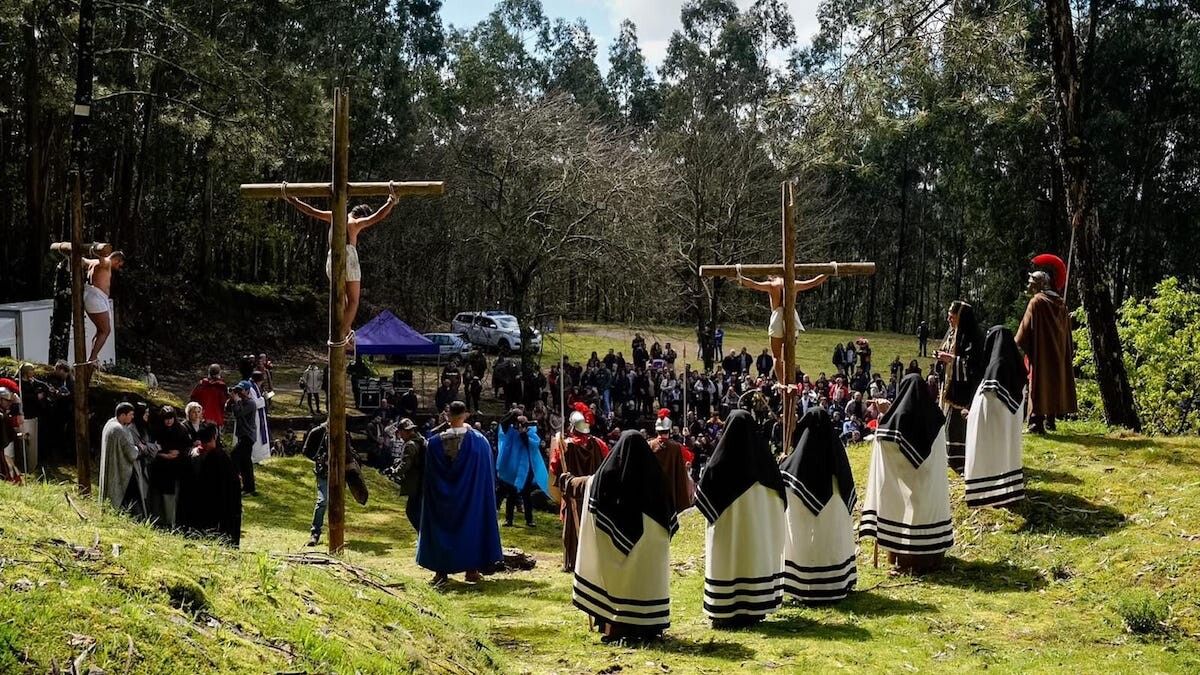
655	19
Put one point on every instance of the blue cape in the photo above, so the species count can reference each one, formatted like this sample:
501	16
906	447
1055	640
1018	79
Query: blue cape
516	458
459	531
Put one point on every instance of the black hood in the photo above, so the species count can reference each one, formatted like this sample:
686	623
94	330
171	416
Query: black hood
819	458
914	420
630	483
741	459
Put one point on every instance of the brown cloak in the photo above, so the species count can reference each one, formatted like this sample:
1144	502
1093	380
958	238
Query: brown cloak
1045	338
670	458
570	465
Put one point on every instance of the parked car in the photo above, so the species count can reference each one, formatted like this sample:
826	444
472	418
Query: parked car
495	330
452	349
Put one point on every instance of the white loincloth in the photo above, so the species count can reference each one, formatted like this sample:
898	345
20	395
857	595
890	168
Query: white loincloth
908	509
95	301
994	474
632	589
775	327
743	556
353	267
819	551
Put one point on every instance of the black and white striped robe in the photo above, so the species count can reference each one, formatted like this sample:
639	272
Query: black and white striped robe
819	549
994	468
741	495
907	507
622	568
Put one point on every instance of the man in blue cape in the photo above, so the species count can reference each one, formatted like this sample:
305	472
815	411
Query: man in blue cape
458	531
519	465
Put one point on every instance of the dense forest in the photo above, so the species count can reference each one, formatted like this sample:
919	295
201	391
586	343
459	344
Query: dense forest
922	135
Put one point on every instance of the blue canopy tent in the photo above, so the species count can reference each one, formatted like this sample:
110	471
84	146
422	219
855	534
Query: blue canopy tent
386	335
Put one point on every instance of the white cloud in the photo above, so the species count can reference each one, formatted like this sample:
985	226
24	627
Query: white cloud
656	20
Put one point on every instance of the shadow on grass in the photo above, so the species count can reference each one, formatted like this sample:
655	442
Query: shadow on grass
1051	476
795	625
1103	441
718	649
870	603
989	576
494	585
1052	512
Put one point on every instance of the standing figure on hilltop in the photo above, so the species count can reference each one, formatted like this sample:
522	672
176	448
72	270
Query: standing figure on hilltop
360	218
773	287
98	288
1045	338
963	357
572	461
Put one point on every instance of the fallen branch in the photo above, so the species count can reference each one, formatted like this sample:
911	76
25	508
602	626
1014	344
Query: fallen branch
75	508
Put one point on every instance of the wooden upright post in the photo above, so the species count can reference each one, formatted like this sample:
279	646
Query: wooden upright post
337	331
79	128
789	312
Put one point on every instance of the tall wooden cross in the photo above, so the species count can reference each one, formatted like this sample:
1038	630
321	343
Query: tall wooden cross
788	270
339	190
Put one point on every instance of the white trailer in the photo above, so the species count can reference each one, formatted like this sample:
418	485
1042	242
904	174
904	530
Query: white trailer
25	333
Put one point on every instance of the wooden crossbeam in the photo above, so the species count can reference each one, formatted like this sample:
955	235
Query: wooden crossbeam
401	189
833	269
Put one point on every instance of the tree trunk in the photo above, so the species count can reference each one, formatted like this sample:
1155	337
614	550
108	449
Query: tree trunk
1075	158
35	139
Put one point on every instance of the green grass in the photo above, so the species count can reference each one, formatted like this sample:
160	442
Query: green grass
1111	528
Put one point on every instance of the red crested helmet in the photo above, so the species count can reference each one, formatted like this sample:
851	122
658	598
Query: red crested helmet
1056	267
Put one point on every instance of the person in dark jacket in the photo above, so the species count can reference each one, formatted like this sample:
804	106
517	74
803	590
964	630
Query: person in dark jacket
210	499
245	417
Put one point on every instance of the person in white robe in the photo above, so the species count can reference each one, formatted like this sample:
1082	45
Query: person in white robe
622	568
741	495
819	549
261	450
994	468
907	507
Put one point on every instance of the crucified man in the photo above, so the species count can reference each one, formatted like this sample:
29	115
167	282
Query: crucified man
360	218
98	288
773	287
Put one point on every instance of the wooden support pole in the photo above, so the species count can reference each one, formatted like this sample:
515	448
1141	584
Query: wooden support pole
402	189
82	371
833	269
789	311
338	331
81	116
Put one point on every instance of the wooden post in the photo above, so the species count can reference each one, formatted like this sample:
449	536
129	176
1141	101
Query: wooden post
789	312
338	331
79	127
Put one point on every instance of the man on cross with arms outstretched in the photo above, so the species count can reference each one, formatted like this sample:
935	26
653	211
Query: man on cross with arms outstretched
99	272
773	287
360	218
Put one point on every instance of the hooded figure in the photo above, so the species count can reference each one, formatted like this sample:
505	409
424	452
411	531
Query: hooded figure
571	462
519	464
742	497
994	473
907	506
962	352
819	550
623	574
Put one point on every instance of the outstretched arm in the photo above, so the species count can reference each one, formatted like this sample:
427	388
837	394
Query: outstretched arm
383	212
309	210
812	283
761	286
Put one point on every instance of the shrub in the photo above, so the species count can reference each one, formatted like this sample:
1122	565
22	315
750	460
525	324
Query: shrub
1160	336
1142	612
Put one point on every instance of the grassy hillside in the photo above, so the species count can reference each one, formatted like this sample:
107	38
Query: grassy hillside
102	591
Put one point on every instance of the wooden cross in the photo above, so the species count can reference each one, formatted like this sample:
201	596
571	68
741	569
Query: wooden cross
339	190
788	270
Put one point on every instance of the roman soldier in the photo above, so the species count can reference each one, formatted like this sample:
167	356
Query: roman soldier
1045	338
572	461
673	460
